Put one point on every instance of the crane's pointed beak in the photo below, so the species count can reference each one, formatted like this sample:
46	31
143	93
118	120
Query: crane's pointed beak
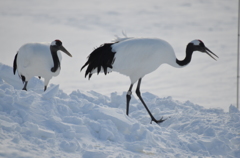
65	51
210	53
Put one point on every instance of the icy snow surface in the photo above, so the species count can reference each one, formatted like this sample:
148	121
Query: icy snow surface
91	125
84	25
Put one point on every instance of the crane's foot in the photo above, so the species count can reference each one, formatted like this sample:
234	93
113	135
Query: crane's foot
158	121
25	89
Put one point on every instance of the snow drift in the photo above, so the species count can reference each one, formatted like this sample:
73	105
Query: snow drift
34	123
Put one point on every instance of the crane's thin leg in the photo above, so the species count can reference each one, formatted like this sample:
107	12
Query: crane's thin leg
25	86
140	97
128	96
46	81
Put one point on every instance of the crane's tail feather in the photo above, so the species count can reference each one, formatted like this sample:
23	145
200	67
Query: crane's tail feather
15	68
120	39
99	60
15	64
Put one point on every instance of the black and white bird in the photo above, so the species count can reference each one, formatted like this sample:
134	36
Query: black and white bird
136	57
39	59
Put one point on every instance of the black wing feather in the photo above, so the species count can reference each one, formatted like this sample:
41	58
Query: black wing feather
101	58
15	68
15	64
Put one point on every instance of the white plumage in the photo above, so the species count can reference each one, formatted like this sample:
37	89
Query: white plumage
39	59
36	60
136	57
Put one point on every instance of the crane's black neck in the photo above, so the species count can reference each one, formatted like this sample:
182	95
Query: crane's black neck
187	59
55	58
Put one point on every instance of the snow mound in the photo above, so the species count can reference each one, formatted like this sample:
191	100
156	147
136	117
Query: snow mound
88	124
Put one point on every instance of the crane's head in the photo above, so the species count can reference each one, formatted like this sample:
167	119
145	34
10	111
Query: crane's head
198	45
57	45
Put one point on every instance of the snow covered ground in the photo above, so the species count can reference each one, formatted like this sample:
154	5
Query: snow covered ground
83	25
91	125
